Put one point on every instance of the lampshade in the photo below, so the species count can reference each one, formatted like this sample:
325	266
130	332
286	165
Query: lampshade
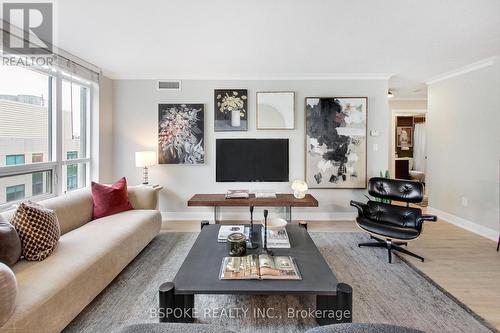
145	158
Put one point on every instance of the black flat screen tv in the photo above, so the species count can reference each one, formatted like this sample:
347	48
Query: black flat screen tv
251	160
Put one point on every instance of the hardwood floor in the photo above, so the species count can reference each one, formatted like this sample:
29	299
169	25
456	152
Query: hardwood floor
463	263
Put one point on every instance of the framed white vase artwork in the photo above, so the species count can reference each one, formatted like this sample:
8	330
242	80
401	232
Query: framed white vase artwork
230	110
275	110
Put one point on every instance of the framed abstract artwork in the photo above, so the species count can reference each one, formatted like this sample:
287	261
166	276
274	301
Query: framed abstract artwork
275	110
181	134
230	110
336	142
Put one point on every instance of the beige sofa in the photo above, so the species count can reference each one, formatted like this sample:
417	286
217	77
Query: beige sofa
89	255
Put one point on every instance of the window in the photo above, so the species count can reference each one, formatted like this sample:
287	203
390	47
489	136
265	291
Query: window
72	177
37	158
74	109
37	183
14	159
44	133
71	155
15	192
25	99
71	171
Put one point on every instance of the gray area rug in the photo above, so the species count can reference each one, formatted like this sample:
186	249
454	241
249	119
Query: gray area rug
383	293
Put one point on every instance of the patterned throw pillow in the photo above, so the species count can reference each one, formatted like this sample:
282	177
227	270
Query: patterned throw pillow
38	230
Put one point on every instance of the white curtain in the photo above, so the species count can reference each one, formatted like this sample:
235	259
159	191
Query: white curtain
419	147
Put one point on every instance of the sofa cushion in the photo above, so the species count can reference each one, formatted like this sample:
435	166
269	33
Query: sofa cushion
143	197
73	209
110	199
85	261
38	230
10	244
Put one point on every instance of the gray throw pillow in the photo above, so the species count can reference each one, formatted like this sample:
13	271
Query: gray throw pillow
10	244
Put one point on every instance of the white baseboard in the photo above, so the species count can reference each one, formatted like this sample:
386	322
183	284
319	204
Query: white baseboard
465	224
237	216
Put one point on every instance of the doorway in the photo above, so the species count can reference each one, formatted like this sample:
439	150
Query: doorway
409	145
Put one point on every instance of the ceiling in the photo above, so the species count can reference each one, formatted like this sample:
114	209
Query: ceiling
410	40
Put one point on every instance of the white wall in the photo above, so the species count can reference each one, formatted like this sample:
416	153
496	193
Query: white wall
105	130
463	131
135	121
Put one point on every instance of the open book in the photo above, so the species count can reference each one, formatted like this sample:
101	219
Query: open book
263	267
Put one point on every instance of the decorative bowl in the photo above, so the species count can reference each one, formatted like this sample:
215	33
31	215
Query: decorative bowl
275	223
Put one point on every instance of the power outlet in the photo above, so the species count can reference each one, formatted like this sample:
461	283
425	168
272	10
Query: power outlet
465	201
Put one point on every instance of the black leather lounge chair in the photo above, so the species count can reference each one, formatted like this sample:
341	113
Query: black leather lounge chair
392	226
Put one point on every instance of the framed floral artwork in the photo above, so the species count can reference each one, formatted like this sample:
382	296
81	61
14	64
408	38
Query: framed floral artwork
181	134
230	110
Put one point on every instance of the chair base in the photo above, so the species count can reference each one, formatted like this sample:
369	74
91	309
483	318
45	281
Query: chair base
390	245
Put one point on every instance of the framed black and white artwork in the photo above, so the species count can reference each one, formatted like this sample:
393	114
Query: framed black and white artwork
336	142
181	134
230	110
275	110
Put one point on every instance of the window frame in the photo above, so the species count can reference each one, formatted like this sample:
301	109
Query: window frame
57	161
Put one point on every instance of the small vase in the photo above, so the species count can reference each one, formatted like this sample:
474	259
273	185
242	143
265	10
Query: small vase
235	118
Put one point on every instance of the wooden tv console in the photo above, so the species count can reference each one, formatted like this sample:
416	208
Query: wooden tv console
282	200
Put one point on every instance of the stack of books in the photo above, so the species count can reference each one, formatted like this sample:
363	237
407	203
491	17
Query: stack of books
277	238
226	230
237	194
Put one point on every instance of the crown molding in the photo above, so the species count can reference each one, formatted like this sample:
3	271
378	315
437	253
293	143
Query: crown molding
246	77
463	70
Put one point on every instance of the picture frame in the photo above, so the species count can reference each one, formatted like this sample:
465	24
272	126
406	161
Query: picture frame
404	136
275	110
230	110
181	133
336	142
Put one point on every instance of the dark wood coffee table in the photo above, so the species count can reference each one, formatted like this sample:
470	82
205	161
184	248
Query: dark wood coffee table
199	274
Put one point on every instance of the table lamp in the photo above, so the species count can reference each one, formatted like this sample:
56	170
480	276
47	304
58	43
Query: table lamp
144	159
299	188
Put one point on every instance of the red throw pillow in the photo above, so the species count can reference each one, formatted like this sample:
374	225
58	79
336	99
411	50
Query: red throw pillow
110	199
